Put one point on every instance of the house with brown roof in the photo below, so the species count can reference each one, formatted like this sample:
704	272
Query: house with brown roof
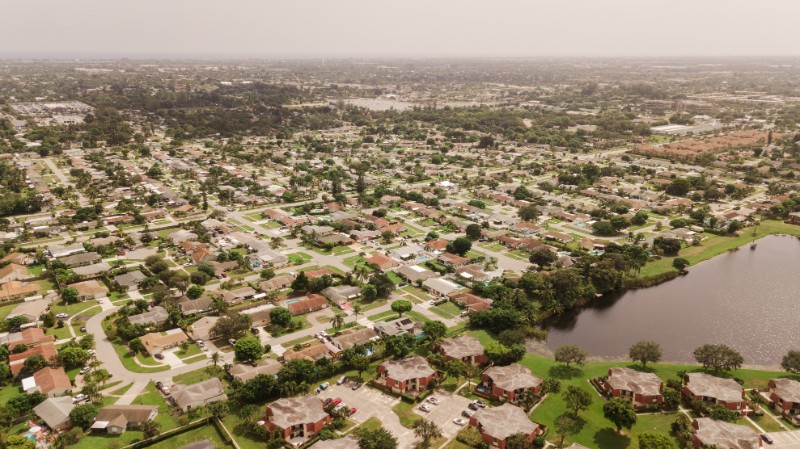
79	260
17	361
436	245
298	419
156	342
496	424
453	260
156	315
90	289
19	258
465	348
13	272
187	397
710	433
244	371
195	306
472	302
310	303
509	383
30	337
353	337
410	375
785	396
318	273
381	261
49	381
643	389
311	352
116	419
715	390
415	273
279	282
13	290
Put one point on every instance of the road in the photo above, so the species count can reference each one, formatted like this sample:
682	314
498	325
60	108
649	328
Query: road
64	180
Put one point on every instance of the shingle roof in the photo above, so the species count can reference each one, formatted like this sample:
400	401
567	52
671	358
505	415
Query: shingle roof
462	346
627	379
787	389
725	435
209	390
727	390
49	379
503	421
288	412
512	377
414	367
55	411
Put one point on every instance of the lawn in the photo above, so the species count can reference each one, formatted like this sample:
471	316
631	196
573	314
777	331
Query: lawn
131	365
405	411
192	351
379	316
395	278
496	247
372	423
244	440
193	377
208	432
299	258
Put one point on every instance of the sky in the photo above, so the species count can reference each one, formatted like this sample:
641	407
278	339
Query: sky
397	28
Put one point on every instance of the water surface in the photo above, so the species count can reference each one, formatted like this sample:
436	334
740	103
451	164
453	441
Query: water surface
747	299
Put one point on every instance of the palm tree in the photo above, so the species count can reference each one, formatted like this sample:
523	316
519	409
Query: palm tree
356	311
215	358
337	321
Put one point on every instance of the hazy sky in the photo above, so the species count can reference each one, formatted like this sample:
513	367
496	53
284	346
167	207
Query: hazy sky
374	28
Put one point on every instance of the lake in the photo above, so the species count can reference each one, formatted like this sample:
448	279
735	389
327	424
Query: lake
747	299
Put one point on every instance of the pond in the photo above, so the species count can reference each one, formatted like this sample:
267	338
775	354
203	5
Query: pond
747	299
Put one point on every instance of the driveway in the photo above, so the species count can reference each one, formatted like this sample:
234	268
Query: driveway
372	403
785	440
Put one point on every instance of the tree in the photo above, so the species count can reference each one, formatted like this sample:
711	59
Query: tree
655	441
474	232
718	357
426	430
383	285
519	441
358	362
645	351
72	357
576	399
528	213
455	368
49	319
69	295
150	428
32	364
301	283
568	354
337	321
791	362
369	292
542	257
399	346
379	438
248	349
195	291
83	415
566	425
680	264
18	442
280	316
401	306
231	326
460	246
434	330
620	412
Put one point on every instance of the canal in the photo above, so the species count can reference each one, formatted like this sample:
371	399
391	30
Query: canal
747	299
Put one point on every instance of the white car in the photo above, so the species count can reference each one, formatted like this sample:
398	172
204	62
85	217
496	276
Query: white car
460	422
425	407
83	370
78	398
433	400
62	315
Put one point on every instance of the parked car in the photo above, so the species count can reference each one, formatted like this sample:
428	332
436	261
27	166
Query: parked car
357	385
165	391
79	398
767	439
341	380
425	407
433	400
473	406
200	342
62	315
336	401
353	410
327	401
467	413
160	385
159	356
83	370
480	403
83	329
460	421
323	385
232	341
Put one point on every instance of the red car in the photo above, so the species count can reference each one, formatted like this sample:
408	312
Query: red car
327	401
336	401
353	410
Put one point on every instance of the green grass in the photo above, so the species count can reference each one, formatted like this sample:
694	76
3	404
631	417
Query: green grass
9	392
299	258
418	317
129	363
208	432
193	377
379	316
191	351
394	277
496	247
372	423
404	411
244	440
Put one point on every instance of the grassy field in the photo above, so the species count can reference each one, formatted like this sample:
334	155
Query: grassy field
208	432
714	245
597	431
299	258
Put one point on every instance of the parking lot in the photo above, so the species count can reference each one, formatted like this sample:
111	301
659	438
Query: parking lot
785	440
449	407
371	402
